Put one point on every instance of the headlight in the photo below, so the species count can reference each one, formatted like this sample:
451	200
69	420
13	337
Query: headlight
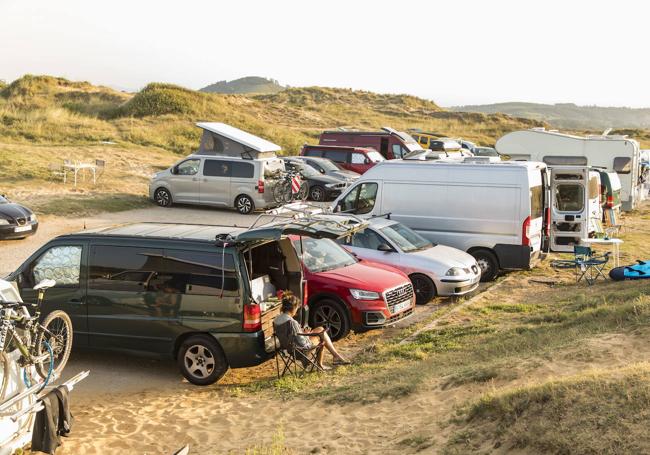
3	221
32	218
360	294
331	185
455	271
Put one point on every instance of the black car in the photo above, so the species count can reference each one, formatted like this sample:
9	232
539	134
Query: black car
16	221
321	187
328	167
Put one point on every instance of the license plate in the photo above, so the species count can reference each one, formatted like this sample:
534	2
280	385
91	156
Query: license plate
401	306
22	228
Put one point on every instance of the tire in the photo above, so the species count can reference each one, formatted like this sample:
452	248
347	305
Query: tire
59	324
244	204
282	192
317	193
331	315
163	197
201	360
488	263
424	288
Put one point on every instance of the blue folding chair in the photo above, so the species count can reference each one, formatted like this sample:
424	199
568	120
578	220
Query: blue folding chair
585	263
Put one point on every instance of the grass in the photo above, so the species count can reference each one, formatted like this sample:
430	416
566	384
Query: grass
596	412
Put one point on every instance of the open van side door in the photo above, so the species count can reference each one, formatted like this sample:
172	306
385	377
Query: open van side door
570	219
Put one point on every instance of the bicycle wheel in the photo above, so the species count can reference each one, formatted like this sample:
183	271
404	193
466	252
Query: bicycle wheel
282	192
302	193
58	323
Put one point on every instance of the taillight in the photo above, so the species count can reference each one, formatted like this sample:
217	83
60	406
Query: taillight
252	318
525	232
260	186
610	202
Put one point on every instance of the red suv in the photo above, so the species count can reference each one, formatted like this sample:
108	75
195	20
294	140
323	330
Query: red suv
348	293
356	159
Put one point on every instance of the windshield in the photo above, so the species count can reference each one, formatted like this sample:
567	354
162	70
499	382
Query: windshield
406	238
322	255
375	156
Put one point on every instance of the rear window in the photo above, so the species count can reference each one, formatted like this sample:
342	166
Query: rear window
536	202
375	156
312	152
336	155
569	197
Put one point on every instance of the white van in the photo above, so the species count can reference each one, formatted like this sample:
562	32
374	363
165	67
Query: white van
494	211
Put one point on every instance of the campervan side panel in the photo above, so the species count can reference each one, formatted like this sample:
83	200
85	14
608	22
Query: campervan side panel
457	214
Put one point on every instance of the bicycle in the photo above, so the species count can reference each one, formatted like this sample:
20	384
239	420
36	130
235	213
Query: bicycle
289	187
45	345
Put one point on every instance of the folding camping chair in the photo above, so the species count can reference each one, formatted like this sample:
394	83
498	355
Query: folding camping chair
585	264
294	358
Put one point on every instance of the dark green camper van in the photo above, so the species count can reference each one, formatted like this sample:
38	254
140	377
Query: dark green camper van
200	294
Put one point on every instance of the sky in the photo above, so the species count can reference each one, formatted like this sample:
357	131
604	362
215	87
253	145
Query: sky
454	52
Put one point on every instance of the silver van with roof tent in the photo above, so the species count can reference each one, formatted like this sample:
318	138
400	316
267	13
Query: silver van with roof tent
232	168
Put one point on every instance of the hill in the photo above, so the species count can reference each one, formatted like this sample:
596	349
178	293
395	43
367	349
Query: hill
568	115
249	84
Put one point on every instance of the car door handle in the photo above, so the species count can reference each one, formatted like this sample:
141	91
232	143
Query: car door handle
194	179
76	301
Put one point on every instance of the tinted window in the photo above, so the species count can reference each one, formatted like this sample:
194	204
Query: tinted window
623	164
61	264
336	155
536	202
311	152
243	170
188	167
217	168
367	239
155	270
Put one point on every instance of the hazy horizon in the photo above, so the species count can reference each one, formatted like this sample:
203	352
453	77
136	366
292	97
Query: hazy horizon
458	53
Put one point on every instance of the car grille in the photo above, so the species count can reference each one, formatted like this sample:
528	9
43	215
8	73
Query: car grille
21	221
398	295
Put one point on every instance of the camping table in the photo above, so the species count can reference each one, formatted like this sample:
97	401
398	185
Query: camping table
76	167
614	242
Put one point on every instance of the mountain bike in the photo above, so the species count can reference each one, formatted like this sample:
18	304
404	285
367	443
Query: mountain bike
47	344
290	186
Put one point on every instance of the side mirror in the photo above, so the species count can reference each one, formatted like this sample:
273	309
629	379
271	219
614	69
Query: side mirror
384	247
322	171
366	161
45	284
174	170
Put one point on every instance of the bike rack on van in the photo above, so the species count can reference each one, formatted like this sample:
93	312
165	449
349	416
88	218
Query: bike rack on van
37	405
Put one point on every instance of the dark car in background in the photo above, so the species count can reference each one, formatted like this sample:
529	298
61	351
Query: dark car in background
321	187
16	221
485	151
328	167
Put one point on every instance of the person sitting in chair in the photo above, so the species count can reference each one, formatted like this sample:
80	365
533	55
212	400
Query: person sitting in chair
309	337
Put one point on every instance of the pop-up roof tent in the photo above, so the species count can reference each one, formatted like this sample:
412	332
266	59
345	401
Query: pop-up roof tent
222	139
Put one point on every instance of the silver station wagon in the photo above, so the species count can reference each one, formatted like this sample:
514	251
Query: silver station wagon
433	269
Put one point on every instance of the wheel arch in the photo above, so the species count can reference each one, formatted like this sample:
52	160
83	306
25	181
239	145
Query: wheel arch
184	336
475	249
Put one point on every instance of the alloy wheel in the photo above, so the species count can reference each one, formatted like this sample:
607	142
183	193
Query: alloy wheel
328	318
199	361
163	198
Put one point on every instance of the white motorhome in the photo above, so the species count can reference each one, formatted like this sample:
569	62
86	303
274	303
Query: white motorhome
616	153
494	211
